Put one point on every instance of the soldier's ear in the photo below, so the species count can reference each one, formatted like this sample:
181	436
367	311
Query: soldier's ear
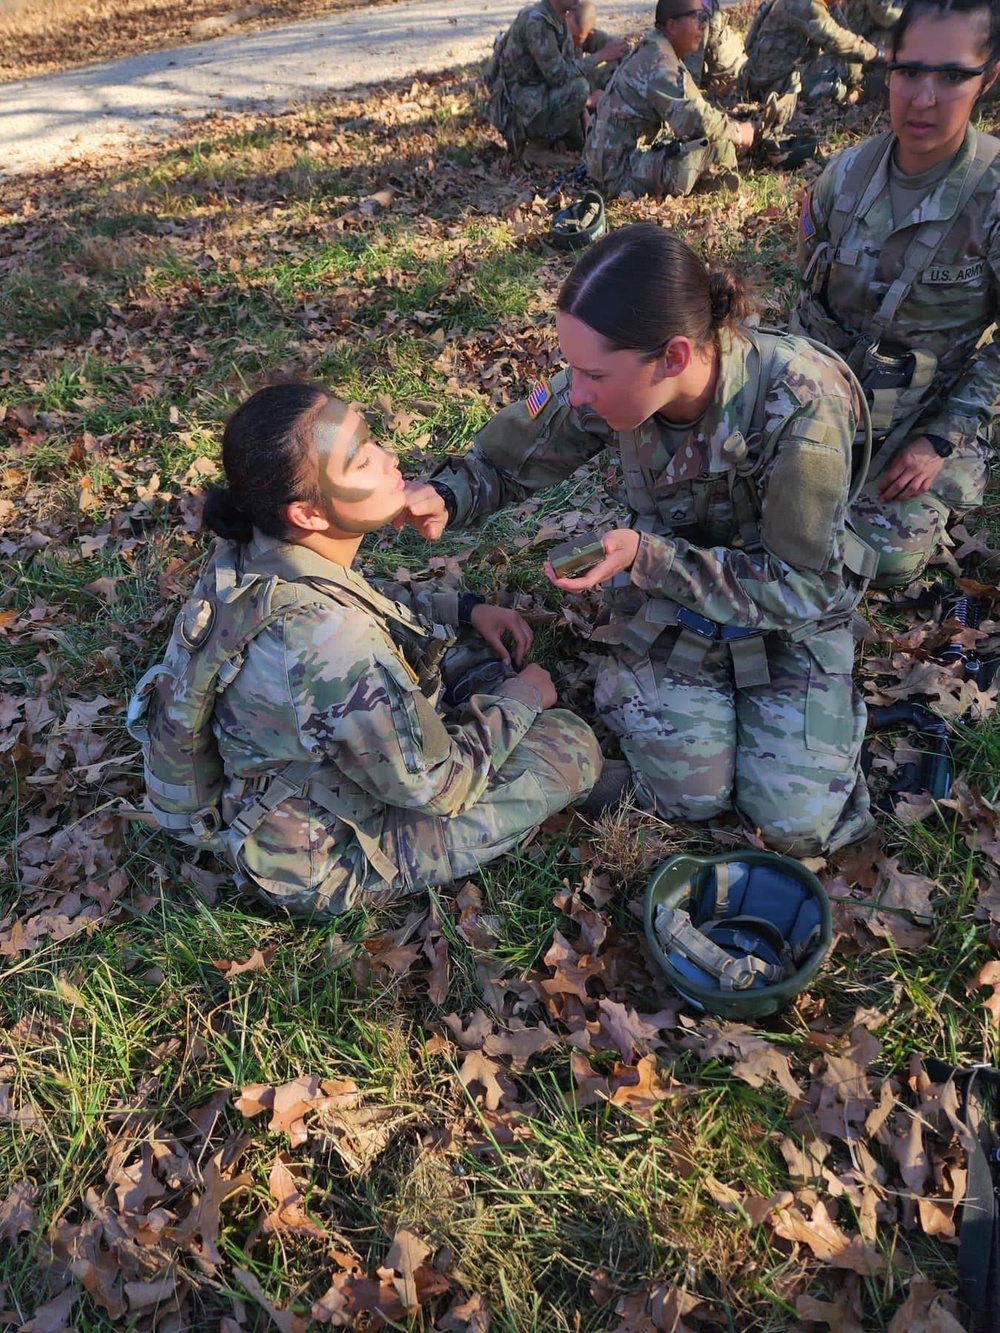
304	517
676	356
990	79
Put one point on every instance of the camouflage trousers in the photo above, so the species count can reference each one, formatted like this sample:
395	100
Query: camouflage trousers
556	763
537	113
785	756
656	172
905	534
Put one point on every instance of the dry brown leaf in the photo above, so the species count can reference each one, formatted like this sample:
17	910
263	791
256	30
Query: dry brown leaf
924	1311
284	1320
841	1315
258	961
642	1089
826	1240
477	1070
54	1315
17	1211
406	1254
471	1316
289	1215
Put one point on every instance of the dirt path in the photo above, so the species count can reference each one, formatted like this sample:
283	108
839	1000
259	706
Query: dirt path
48	121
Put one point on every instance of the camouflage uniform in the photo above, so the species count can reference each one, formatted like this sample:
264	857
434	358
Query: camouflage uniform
933	324
538	84
872	18
436	795
721	55
598	75
653	132
743	538
786	46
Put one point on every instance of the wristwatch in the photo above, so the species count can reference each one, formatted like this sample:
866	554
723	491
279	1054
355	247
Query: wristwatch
940	446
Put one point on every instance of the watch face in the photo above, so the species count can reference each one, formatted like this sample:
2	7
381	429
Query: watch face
942	448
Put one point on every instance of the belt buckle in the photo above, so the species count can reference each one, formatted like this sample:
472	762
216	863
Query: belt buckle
701	625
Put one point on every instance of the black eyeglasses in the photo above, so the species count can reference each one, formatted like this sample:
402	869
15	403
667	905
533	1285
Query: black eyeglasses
702	15
944	80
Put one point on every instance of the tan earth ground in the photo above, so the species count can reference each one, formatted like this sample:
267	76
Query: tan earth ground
42	36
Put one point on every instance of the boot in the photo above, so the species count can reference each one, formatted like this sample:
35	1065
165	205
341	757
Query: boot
612	789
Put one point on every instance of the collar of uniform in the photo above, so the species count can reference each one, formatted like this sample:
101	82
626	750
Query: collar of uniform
551	17
939	202
309	564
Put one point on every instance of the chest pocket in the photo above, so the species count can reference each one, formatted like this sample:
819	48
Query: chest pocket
953	295
853	283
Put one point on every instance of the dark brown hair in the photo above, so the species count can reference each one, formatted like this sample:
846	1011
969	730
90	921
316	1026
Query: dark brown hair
269	461
942	9
640	286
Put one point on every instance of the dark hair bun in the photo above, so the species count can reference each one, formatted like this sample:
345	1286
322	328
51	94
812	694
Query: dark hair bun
728	298
224	516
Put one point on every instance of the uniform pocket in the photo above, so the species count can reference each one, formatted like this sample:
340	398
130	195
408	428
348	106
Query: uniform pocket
831	719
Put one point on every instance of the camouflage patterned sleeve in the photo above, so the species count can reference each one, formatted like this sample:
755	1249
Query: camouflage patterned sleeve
797	579
816	23
677	101
524	448
357	705
543	45
972	406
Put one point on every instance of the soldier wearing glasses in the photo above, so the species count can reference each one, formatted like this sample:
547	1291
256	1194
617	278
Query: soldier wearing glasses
900	254
653	132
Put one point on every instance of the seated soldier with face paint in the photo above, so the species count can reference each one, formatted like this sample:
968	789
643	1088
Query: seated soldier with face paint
424	760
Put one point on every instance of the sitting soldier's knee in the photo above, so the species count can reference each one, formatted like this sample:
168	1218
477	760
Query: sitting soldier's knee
898	568
571	749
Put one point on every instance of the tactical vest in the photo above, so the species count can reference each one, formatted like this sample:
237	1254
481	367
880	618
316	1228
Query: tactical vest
897	387
748	452
171	709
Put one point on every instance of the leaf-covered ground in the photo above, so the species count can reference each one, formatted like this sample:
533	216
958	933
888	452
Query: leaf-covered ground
42	36
483	1108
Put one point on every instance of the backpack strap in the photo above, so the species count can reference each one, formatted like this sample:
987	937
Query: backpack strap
857	184
294	779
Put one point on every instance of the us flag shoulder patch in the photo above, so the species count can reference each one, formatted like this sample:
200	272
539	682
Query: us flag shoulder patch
806	224
539	396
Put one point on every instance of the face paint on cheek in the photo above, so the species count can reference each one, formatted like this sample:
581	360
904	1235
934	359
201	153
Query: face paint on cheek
338	434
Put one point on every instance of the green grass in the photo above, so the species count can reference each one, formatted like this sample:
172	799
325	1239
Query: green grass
135	314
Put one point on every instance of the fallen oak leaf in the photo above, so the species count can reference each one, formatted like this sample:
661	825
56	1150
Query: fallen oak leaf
17	1211
284	1320
826	1240
989	975
476	1068
257	962
289	1215
406	1254
640	1090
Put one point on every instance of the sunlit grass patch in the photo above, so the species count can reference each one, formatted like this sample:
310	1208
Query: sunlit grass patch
385	247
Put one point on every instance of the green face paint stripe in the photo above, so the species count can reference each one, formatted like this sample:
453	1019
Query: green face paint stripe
327	430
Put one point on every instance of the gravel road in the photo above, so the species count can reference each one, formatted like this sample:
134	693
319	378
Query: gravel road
49	121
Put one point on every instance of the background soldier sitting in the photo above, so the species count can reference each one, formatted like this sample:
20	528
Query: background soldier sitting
539	84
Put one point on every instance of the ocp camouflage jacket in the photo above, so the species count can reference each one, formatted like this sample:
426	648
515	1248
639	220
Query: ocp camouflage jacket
651	97
945	313
326	683
538	49
696	550
793	32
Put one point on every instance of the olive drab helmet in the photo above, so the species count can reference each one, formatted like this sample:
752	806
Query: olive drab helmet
739	934
581	223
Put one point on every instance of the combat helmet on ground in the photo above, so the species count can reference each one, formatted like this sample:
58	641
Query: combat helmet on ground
739	934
